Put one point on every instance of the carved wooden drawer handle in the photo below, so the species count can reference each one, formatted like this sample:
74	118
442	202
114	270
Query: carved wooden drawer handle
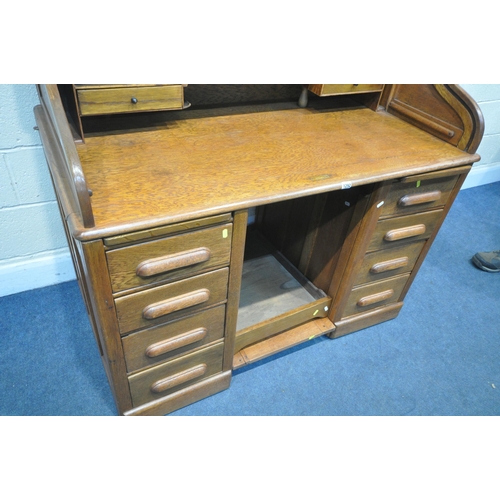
405	232
179	378
178	303
375	298
389	265
409	200
177	342
170	262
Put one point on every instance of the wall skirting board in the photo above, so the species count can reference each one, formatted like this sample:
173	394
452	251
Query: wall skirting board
36	271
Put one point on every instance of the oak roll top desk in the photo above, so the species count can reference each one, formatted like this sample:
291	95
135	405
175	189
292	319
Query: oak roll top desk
214	225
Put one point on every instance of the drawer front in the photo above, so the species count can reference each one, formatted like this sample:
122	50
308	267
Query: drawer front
349	88
401	230
175	375
169	302
157	345
170	258
413	197
374	295
130	99
393	261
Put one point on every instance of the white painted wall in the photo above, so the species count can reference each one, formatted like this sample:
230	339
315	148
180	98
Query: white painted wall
33	248
488	169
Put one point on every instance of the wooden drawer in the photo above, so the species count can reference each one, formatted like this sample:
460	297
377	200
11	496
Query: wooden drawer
349	88
401	230
374	295
170	258
157	345
389	262
169	302
129	99
418	195
174	375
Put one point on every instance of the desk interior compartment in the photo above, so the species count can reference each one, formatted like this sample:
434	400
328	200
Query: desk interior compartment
291	254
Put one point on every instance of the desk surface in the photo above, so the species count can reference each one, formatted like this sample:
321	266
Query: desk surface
190	167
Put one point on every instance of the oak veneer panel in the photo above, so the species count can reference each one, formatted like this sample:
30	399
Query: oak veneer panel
365	320
156	345
169	258
405	229
129	99
407	198
282	341
389	262
335	89
183	397
197	167
374	295
132	309
174	375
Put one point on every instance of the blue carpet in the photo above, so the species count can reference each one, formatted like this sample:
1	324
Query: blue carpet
440	356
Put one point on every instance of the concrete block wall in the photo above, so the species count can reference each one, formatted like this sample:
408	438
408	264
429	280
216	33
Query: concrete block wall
33	248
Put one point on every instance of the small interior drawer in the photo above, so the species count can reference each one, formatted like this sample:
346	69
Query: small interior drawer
169	302
157	345
390	262
169	258
402	230
418	195
344	88
129	99
374	295
175	375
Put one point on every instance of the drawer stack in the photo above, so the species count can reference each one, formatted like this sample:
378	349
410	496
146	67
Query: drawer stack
170	296
409	215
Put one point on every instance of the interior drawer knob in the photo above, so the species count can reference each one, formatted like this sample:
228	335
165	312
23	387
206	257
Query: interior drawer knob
405	232
178	303
134	100
409	200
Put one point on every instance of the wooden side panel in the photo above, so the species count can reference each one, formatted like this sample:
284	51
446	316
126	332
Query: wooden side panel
445	111
429	242
234	286
61	152
95	273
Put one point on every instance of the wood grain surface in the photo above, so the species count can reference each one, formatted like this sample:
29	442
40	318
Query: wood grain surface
196	167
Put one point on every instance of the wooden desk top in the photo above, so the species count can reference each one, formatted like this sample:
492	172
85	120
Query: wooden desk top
195	167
